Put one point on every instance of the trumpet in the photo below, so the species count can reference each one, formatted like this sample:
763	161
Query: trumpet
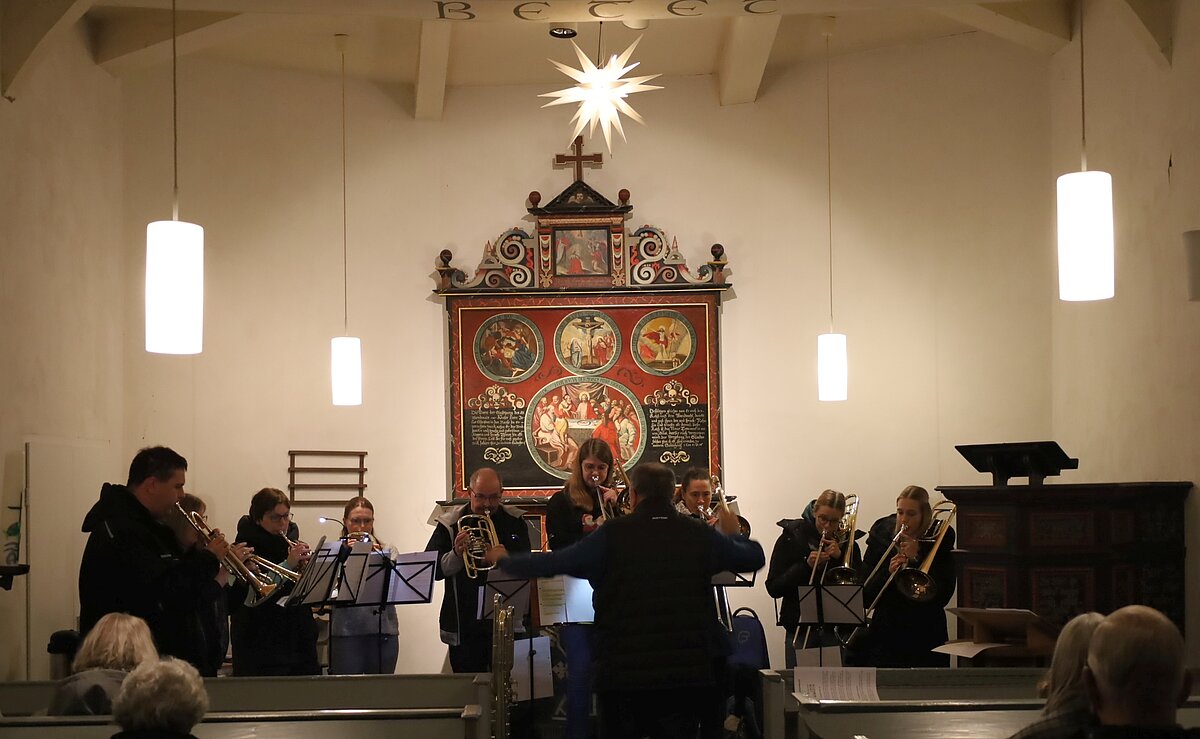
481	536
915	583
235	566
355	537
845	574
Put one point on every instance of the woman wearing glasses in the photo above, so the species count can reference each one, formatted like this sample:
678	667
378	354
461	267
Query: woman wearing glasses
808	543
362	639
267	639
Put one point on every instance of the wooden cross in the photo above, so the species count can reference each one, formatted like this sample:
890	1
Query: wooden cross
578	158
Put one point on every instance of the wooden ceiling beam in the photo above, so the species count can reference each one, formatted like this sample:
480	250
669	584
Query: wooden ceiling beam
1153	23
433	63
1035	24
744	55
24	26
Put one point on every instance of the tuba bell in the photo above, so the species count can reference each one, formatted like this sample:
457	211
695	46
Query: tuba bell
481	536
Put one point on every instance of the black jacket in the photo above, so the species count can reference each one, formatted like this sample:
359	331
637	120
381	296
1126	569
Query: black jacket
566	524
460	600
269	639
903	631
134	564
789	564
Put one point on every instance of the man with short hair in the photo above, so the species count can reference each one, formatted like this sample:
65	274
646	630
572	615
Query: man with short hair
657	634
469	637
1136	677
133	563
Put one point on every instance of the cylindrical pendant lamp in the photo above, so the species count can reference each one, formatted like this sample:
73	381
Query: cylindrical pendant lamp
832	367
174	287
1085	236
346	370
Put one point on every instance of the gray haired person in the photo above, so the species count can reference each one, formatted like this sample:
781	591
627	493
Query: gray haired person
161	699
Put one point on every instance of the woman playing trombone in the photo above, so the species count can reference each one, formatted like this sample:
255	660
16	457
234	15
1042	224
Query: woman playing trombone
902	631
578	508
804	551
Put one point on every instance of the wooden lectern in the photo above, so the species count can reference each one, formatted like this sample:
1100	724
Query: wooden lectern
1062	550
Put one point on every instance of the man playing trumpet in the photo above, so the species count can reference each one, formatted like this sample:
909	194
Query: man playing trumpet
462	565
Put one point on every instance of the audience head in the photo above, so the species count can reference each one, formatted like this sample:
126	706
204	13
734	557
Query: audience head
1063	686
913	510
1135	673
486	490
156	479
118	641
652	482
161	695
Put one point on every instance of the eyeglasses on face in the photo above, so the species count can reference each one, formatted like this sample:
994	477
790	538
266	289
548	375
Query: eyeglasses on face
277	517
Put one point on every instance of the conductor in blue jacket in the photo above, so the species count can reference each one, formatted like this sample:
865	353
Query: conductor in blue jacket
657	634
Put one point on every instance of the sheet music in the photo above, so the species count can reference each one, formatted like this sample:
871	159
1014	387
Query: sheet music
856	684
563	599
542	684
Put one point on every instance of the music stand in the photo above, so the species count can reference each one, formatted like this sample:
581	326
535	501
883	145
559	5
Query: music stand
830	605
1036	460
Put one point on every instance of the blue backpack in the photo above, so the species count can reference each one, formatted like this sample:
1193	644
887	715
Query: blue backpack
749	641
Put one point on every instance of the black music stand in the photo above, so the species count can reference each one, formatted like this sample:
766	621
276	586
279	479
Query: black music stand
1036	460
829	605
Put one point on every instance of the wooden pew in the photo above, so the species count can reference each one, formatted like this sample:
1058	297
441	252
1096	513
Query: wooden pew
427	723
996	724
234	694
1014	688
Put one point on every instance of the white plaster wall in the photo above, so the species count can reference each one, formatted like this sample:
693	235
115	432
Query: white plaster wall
942	210
61	291
1125	374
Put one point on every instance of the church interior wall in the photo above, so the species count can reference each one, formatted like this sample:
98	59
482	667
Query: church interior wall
62	291
943	159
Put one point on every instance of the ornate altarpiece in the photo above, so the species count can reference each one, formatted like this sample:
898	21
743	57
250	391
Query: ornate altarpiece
579	329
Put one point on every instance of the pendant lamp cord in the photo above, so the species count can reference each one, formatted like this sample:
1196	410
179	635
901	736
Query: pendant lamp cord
599	47
829	179
345	290
1082	97
174	117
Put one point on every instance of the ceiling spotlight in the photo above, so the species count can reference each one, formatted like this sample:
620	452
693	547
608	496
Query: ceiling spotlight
564	30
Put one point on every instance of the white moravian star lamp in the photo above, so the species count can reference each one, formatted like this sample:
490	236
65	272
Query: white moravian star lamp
601	92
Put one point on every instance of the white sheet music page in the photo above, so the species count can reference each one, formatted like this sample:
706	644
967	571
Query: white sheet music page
855	684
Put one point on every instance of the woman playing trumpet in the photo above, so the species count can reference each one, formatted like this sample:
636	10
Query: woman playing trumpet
268	639
903	631
804	551
578	508
362	640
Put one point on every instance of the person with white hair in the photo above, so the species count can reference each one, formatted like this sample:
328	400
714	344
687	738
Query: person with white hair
161	699
1135	676
1067	710
117	644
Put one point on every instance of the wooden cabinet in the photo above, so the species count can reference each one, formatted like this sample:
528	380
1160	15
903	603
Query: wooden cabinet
1061	550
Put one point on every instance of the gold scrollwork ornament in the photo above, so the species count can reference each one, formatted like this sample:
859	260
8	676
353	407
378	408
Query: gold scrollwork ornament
497	455
669	457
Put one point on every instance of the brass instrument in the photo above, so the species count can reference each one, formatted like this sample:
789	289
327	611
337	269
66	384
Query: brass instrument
743	524
812	580
856	635
481	536
355	537
265	564
235	566
624	505
845	574
915	583
502	665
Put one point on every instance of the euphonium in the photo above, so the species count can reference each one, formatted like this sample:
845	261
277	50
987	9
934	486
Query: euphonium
235	566
845	574
915	583
481	536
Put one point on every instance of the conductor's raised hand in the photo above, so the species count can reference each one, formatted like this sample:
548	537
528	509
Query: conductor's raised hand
727	521
495	555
